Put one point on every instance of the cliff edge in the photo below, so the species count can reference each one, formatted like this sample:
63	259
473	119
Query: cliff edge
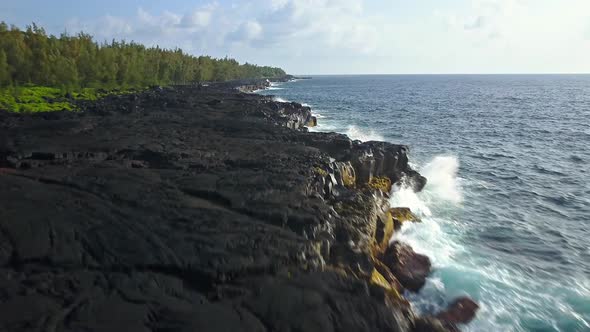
200	209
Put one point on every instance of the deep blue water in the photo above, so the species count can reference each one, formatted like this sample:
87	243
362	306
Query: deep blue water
507	208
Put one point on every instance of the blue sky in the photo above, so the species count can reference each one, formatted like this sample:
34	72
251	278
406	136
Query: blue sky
341	36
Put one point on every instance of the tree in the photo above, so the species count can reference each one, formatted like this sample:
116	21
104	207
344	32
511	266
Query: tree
65	72
33	56
5	79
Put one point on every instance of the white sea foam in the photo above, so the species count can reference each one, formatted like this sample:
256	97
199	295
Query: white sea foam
442	192
443	183
364	135
406	197
280	100
443	187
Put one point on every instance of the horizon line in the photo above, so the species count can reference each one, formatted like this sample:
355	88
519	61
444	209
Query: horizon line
439	74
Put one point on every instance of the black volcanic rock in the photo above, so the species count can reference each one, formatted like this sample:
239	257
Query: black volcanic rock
461	311
409	267
188	209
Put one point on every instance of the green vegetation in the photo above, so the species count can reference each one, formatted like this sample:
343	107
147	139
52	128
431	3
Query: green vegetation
47	99
37	70
32	99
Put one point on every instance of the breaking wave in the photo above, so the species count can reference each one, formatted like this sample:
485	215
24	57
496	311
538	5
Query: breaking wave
364	135
280	100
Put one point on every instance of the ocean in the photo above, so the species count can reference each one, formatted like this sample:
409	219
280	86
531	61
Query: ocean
506	211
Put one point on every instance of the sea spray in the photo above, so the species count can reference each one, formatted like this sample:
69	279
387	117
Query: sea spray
404	196
442	189
443	184
436	204
364	135
280	100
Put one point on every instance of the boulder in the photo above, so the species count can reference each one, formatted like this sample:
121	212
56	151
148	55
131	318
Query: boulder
313	121
415	180
461	311
409	267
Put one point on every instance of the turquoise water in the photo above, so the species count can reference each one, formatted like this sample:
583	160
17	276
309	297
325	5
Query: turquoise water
507	208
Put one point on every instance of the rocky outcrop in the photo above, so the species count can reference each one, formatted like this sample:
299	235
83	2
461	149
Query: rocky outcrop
253	85
294	115
382	159
461	311
200	208
249	87
409	267
401	215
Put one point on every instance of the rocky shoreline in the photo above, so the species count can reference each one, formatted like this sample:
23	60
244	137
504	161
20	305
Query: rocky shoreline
203	208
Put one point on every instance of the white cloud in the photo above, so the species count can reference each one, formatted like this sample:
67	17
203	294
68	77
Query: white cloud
248	31
116	26
278	4
355	36
487	17
321	25
253	29
514	36
199	18
191	30
336	24
477	23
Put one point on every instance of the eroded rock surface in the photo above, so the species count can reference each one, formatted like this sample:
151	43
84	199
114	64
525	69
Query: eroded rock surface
410	268
194	209
461	311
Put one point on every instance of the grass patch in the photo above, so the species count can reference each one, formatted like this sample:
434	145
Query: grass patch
33	99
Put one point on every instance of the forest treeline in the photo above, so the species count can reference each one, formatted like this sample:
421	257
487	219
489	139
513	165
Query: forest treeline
31	56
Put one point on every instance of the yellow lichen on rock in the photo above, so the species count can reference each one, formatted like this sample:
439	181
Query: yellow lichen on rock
382	183
312	122
320	171
383	233
348	177
402	214
388	275
379	280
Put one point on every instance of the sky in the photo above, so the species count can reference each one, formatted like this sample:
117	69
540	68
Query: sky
340	36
